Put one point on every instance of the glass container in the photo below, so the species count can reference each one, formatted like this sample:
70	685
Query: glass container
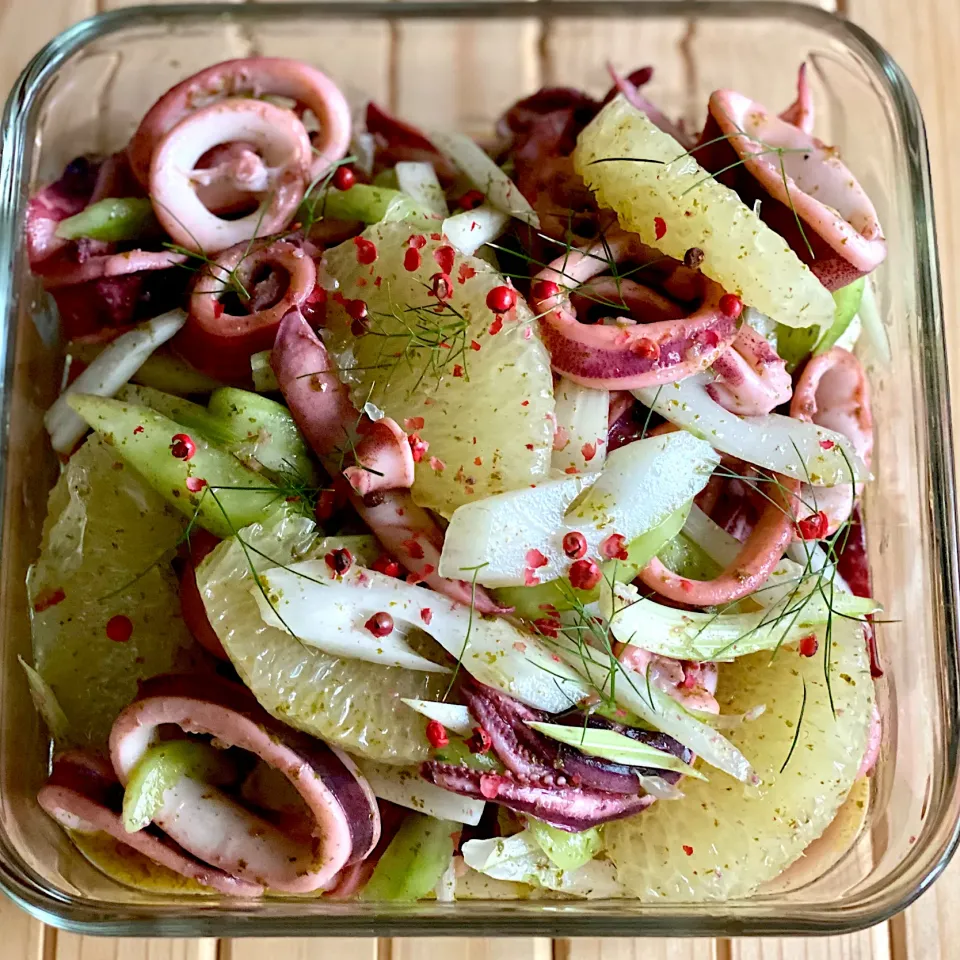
457	65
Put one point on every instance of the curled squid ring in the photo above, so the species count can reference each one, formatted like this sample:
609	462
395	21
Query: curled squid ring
220	343
344	821
251	77
796	177
750	569
281	180
752	377
676	344
833	392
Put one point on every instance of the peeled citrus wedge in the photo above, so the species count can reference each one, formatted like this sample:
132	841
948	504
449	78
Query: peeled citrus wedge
474	384
661	193
104	570
352	703
724	839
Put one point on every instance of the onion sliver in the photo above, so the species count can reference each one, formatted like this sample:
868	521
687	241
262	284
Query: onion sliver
419	180
454	716
692	635
654	706
308	596
485	175
405	787
470	230
107	373
516	538
580	444
802	451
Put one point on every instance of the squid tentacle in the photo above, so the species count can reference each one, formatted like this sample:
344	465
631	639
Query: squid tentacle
321	405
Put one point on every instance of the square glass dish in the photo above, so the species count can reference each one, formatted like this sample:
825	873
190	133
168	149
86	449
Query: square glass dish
457	66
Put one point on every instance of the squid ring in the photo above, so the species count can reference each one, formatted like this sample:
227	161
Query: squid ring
285	146
253	76
83	794
220	343
218	830
672	347
750	569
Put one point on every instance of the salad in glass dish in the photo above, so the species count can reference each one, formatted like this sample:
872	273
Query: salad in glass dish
454	519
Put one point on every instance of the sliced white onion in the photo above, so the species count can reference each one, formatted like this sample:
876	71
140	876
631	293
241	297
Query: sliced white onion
659	788
454	716
316	603
419	180
472	229
446	888
715	542
363	146
809	555
46	703
693	635
335	629
519	859
405	787
792	447
111	369
731	721
264	379
485	175
516	538
580	444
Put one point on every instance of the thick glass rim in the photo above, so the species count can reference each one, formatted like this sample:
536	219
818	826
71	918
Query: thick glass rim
873	904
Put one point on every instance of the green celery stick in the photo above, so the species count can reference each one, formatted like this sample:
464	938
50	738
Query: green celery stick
569	851
267	431
416	859
111	220
368	203
160	768
847	300
458	753
225	495
192	415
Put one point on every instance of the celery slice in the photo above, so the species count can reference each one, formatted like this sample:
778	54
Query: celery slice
112	220
223	494
416	859
371	204
160	768
569	851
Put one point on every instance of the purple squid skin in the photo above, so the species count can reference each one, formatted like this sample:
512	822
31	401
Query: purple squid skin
524	752
551	781
572	809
